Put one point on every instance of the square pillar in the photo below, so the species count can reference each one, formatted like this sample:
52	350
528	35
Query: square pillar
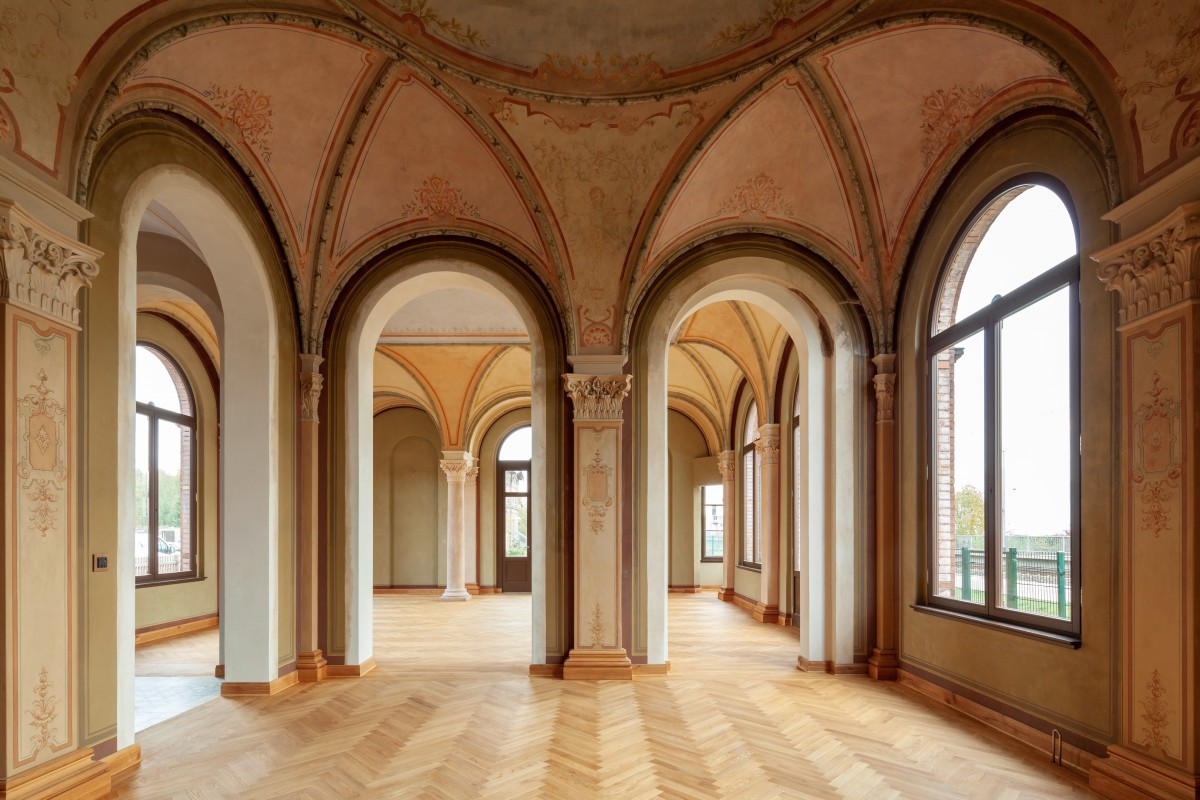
598	429
727	461
41	273
1154	275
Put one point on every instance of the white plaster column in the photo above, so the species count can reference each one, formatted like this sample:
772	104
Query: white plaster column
727	462
767	448
1156	277
41	273
598	653
456	464
310	661
471	541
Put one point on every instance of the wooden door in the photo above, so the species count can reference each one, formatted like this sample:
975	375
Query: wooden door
514	570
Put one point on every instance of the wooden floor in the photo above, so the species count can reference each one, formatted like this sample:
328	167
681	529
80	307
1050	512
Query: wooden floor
451	713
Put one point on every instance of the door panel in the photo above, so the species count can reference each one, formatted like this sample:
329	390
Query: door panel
513	557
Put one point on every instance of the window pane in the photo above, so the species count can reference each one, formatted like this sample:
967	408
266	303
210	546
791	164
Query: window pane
516	527
713	500
516	480
959	474
518	445
797	494
174	498
748	511
155	383
141	496
1031	234
757	507
751	432
1035	458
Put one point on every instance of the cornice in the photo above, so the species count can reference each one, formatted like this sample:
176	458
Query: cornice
41	269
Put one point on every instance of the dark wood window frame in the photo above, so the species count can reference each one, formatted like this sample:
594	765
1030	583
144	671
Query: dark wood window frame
989	320
154	414
752	480
706	556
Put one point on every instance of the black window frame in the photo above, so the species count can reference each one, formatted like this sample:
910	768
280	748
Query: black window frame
989	320
154	414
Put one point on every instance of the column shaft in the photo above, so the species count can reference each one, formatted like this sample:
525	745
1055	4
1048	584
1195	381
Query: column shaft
310	661
471	542
727	464
456	465
883	663
767	447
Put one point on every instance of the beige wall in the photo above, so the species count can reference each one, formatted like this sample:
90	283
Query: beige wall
157	605
685	443
410	500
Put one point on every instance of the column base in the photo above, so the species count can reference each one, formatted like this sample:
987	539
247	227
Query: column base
312	667
455	594
765	613
883	665
725	593
74	775
1127	775
598	665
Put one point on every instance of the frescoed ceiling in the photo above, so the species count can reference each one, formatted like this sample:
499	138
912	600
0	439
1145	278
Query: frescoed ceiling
595	141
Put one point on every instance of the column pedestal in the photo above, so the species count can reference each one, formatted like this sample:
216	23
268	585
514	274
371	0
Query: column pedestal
883	665
1156	275
598	653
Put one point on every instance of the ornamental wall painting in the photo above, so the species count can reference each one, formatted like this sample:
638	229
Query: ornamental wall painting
1157	456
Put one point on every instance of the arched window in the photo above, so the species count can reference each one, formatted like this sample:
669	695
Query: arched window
165	463
751	483
1003	352
514	562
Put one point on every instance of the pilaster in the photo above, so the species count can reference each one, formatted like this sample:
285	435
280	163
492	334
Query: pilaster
767	448
457	464
883	663
727	462
471	540
310	661
1154	275
41	273
598	426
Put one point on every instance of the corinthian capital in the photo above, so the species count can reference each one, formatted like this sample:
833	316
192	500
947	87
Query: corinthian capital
597	396
311	382
40	268
1156	268
457	469
767	444
727	464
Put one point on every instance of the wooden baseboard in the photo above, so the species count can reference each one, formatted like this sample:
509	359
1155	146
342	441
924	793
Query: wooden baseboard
253	688
312	667
1127	775
1077	760
490	590
603	665
545	670
75	775
808	665
743	602
169	630
409	589
691	589
649	670
765	613
124	763
350	670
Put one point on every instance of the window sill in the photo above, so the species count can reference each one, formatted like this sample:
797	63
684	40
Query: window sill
711	560
1067	640
170	582
749	567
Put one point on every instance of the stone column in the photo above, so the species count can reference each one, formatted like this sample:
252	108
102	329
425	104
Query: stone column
767	449
598	653
1155	276
471	541
727	462
310	661
41	273
883	663
456	464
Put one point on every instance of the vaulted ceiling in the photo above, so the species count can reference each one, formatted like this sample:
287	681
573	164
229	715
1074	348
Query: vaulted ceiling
596	141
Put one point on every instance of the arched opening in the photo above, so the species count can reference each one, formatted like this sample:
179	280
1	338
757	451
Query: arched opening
833	629
377	337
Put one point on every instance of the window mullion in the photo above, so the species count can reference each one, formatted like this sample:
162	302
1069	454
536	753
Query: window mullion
152	503
991	524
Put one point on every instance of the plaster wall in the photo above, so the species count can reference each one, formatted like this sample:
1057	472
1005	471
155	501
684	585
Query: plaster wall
685	443
410	501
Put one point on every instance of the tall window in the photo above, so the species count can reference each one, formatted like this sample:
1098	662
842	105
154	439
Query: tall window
514	459
1005	433
165	463
712	536
751	485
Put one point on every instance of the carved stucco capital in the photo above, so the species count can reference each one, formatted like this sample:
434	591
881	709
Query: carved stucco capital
40	268
767	444
311	383
597	396
457	469
1156	268
727	461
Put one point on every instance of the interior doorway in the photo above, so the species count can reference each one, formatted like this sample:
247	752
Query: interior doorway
514	557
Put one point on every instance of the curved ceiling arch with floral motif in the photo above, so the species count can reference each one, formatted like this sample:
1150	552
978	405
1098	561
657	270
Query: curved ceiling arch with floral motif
596	153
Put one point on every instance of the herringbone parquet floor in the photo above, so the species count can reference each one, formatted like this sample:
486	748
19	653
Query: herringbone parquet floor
451	714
